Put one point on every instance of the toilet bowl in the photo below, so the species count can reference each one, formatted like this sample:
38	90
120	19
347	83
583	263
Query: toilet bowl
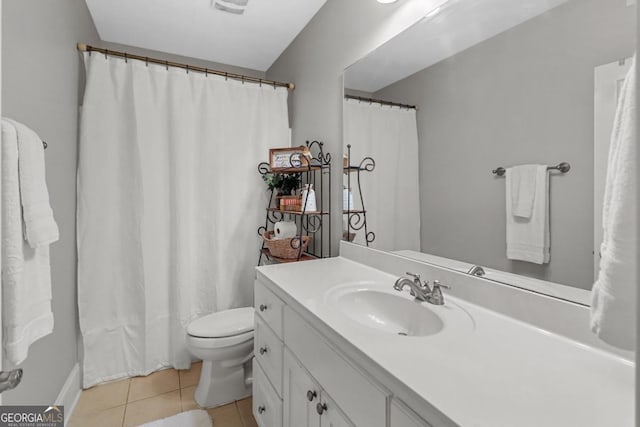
224	342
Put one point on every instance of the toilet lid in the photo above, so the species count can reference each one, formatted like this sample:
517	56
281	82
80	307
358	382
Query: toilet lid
226	323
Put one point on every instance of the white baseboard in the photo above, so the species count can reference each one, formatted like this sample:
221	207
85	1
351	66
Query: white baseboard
70	392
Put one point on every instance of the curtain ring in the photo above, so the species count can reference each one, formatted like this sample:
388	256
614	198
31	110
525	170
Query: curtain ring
206	72
125	58
146	61
106	52
260	82
166	64
274	85
187	69
242	79
226	76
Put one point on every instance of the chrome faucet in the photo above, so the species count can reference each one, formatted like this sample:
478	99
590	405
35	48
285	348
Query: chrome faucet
476	270
417	289
422	292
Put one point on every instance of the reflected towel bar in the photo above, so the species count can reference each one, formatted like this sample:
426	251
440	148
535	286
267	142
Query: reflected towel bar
563	167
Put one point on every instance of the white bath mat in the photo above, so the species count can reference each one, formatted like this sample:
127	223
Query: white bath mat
197	418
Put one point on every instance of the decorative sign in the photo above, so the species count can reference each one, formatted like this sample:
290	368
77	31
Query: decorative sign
288	158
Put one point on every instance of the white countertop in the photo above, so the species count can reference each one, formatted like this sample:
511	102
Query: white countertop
498	372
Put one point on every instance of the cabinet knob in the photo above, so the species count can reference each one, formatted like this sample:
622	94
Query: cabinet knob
311	395
261	409
321	407
263	350
263	307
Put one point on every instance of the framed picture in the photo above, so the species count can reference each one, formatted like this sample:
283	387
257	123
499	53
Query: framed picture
288	158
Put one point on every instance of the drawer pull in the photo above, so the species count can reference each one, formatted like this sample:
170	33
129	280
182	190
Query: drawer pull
263	307
263	350
311	395
261	409
321	407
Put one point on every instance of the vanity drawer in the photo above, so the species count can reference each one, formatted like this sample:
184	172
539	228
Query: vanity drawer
267	406
360	399
268	352
269	307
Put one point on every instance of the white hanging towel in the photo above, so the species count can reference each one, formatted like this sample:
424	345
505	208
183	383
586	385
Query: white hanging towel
523	189
613	303
26	275
528	236
39	226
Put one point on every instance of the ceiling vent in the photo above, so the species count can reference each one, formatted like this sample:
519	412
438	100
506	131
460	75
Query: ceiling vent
236	7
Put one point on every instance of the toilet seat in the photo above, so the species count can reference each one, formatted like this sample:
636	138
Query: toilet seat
211	343
223	324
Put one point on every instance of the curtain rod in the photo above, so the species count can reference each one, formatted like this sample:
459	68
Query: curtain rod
381	102
82	47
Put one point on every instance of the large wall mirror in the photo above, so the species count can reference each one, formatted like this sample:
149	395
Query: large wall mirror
431	115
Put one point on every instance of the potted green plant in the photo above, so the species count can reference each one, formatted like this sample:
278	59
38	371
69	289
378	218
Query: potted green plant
283	184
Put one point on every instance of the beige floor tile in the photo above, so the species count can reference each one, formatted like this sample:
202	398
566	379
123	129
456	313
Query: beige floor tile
152	385
245	407
101	397
108	418
154	408
189	377
225	416
187	398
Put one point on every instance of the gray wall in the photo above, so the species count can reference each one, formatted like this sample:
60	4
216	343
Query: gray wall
340	34
524	96
637	407
41	81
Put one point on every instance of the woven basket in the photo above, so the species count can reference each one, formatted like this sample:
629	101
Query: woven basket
285	248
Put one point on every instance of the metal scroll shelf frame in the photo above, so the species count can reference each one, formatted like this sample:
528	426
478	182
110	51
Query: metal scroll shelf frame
357	219
316	172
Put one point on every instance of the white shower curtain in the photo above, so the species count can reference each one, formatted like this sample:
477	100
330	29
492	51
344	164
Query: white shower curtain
169	201
392	191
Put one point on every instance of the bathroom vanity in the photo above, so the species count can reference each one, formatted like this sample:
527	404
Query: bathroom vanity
337	345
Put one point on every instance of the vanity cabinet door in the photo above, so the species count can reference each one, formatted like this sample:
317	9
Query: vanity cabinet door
331	415
301	394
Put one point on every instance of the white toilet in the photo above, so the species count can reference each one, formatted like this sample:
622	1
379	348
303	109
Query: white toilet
224	342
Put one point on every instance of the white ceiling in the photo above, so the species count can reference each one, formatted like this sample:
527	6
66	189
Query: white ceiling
194	28
458	25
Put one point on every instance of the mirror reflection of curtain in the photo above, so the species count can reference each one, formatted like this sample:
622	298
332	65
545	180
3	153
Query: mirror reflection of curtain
392	191
169	201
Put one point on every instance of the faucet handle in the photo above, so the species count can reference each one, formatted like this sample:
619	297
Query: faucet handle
437	284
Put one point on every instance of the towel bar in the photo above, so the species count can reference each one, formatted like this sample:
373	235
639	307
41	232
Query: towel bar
563	167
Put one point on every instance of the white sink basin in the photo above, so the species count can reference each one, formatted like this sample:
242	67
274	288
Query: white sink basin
385	311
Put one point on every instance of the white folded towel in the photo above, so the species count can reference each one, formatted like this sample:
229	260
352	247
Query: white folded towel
39	225
523	189
528	238
613	304
26	275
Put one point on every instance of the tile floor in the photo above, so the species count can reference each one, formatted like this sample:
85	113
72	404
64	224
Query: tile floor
139	400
